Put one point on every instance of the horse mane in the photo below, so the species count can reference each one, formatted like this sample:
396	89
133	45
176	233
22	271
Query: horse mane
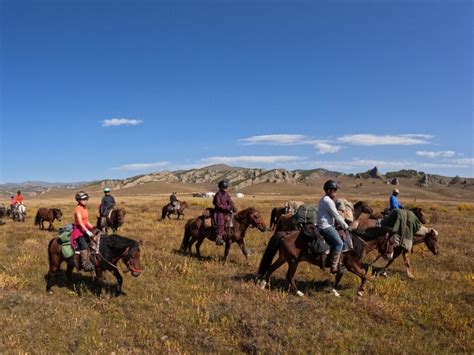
370	235
360	203
118	242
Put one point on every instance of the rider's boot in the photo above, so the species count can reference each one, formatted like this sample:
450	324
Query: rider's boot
335	263
86	261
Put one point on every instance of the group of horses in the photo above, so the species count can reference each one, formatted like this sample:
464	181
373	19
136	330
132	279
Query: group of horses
15	212
287	241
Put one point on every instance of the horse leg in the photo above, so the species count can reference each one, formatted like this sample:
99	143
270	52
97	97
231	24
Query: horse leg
54	265
396	254
241	244
407	264
119	281
290	276
228	243
100	279
50	226
266	278
200	240
42	223
353	266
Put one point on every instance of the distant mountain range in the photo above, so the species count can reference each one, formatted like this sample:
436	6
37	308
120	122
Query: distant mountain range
239	178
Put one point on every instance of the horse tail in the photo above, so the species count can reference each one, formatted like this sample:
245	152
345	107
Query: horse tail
37	218
272	219
49	251
186	238
163	212
270	251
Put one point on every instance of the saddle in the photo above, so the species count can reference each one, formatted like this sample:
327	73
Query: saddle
316	244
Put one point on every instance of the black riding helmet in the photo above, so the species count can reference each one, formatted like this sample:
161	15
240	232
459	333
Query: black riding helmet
330	185
223	184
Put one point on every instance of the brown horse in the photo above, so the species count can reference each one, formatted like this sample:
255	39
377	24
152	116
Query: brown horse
114	219
195	230
167	211
277	212
424	235
293	250
47	214
363	223
111	249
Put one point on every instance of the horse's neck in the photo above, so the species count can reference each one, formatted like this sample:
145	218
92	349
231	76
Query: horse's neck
417	239
371	245
240	224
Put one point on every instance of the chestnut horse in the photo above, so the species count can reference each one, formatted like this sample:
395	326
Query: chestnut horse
424	235
293	250
277	212
47	214
166	211
195	230
114	219
111	249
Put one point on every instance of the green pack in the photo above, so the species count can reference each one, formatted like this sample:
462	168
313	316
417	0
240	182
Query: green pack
64	239
305	214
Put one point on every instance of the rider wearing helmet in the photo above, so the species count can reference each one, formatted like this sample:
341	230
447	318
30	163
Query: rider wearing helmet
394	204
19	198
327	217
82	230
173	205
106	204
223	206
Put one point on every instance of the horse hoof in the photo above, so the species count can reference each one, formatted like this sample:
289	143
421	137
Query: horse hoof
263	285
299	293
360	293
335	293
50	292
383	274
410	276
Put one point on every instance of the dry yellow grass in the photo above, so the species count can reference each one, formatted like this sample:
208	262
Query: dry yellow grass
184	305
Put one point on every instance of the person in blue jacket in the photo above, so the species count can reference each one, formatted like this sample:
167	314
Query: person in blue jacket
394	204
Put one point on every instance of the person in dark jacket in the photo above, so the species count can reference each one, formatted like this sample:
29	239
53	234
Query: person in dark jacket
174	203
223	206
107	202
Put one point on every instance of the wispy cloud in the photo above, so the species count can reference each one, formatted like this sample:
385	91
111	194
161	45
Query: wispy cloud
325	148
438	154
373	139
141	166
464	161
251	159
120	122
274	139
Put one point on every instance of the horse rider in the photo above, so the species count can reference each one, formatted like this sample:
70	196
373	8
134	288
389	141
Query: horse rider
18	198
327	217
394	204
82	230
106	204
173	205
223	206
12	203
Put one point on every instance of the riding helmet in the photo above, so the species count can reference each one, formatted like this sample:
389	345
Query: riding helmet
223	184
81	195
106	189
330	185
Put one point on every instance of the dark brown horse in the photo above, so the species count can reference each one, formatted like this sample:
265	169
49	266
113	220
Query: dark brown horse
424	235
47	214
277	212
168	210
114	219
111	249
196	230
293	250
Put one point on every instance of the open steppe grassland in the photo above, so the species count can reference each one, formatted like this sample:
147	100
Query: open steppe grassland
182	304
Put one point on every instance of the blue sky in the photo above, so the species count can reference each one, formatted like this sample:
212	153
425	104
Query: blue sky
111	89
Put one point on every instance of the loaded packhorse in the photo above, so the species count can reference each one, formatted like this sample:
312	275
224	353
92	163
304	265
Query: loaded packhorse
293	248
170	209
111	249
196	230
47	214
114	218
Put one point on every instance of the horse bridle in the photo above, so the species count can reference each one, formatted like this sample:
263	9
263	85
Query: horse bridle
128	258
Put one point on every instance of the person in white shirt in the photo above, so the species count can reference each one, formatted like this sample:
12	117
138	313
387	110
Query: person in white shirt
326	221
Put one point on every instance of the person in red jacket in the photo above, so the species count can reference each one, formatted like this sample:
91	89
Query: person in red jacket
19	198
223	205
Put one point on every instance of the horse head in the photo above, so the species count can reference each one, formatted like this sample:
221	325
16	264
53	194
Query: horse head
362	207
131	258
253	218
419	213
120	215
57	214
431	241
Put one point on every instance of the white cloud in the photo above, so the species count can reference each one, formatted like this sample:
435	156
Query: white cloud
464	161
324	148
373	139
439	154
141	166
274	139
120	122
252	159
